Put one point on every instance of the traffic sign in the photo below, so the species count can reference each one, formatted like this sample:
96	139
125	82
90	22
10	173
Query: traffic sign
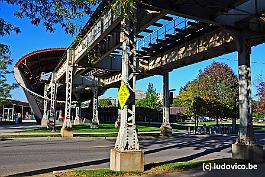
123	94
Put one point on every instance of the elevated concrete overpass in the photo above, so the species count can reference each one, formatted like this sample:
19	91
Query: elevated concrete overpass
155	37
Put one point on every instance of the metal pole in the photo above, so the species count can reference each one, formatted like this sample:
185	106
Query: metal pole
22	112
13	111
166	129
166	100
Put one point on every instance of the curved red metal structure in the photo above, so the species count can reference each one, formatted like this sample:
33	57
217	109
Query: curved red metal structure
28	70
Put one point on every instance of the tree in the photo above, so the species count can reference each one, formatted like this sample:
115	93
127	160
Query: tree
49	13
176	102
215	88
151	99
219	88
104	102
5	87
260	105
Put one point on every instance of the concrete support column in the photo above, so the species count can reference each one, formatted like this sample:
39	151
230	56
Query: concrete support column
245	147
166	129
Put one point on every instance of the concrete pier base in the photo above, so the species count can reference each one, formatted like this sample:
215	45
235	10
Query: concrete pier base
126	161
44	122
166	130
94	125
77	121
67	132
253	152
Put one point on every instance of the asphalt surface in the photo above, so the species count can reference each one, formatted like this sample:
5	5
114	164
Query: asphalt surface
36	156
25	157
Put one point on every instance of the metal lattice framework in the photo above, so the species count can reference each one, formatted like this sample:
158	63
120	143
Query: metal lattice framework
45	103
53	92
127	137
95	120
194	31
69	79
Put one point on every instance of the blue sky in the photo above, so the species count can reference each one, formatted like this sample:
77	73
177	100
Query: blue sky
35	38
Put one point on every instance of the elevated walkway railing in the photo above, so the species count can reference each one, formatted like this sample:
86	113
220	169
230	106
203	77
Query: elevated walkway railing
160	33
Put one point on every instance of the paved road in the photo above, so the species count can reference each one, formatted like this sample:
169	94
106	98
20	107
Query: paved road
36	156
13	128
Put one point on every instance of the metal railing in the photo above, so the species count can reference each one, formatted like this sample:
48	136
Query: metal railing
160	33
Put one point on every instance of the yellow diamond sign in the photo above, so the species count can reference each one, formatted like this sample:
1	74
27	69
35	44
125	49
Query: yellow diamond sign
123	94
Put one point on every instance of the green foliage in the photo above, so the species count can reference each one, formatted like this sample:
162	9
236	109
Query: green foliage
259	114
176	102
151	99
105	172
6	28
212	93
103	128
259	106
53	12
58	12
155	171
104	102
5	61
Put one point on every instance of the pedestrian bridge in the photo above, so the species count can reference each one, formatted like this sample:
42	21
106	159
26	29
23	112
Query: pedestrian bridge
151	38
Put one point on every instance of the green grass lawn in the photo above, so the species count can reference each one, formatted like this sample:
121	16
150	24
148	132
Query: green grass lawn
79	129
170	167
108	127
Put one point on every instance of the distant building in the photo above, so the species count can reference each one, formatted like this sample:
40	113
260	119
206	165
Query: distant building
139	94
174	111
9	110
